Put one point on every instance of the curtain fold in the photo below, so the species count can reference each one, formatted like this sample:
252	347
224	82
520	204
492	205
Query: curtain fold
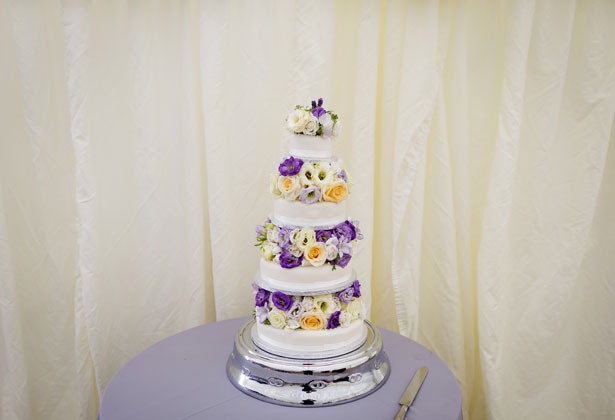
137	139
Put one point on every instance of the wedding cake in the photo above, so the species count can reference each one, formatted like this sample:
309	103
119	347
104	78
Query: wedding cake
308	300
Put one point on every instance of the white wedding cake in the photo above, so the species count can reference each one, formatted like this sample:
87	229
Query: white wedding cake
307	299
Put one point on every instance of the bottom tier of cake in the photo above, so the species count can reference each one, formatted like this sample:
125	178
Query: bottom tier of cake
310	344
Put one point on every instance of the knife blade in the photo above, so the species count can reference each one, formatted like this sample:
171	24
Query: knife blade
410	393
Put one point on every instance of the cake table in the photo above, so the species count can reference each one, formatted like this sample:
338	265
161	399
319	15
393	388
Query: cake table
184	377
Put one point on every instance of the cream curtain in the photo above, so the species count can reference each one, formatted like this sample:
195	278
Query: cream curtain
137	139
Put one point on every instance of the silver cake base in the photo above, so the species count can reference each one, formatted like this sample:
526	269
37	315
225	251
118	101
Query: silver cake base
304	382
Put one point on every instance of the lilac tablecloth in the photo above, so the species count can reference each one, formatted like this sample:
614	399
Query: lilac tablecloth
183	377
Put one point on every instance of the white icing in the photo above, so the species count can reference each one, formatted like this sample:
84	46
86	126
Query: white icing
311	147
310	344
322	215
304	279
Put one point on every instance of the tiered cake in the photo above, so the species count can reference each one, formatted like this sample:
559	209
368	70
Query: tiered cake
308	300
308	344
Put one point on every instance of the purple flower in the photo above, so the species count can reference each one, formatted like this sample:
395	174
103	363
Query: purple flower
344	247
343	176
323	235
261	313
282	301
290	166
288	260
296	310
261	297
343	260
357	288
318	112
346	229
346	295
284	237
310	195
334	320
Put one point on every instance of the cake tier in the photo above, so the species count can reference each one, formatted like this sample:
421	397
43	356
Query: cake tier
310	344
311	147
304	280
322	215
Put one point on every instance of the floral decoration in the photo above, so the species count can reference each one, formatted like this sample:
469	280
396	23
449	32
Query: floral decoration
313	313
310	182
293	247
313	120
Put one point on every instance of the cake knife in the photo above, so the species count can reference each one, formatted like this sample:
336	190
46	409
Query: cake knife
410	392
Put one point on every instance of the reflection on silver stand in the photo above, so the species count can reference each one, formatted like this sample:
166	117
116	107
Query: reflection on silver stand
303	382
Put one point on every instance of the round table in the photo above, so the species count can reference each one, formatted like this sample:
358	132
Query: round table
184	377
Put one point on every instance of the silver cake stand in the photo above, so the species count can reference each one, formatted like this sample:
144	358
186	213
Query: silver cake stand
307	382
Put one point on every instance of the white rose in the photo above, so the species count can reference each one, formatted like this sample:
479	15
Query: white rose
277	318
326	304
331	247
311	126
295	251
273	184
306	174
272	234
356	309
297	120
316	254
289	186
275	249
305	238
307	303
293	324
345	319
327	125
267	252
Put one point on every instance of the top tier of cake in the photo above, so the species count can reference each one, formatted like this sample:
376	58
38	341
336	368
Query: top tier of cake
311	147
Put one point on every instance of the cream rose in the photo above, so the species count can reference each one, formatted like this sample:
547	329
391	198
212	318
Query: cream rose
297	120
314	321
289	186
335	192
327	304
331	247
267	252
273	184
316	254
356	309
345	319
307	303
277	318
311	126
305	238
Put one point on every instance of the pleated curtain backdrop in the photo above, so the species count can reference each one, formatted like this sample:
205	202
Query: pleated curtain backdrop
137	139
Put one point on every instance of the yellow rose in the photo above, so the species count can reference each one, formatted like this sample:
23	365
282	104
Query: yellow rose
289	186
316	254
336	192
313	321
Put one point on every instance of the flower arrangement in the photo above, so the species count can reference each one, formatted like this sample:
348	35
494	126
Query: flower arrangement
313	313
310	182
293	247
313	120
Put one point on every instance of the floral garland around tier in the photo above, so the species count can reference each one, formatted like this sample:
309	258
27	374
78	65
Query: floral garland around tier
321	312
310	182
292	247
313	120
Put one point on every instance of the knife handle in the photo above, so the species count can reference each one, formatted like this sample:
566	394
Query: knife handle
401	414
